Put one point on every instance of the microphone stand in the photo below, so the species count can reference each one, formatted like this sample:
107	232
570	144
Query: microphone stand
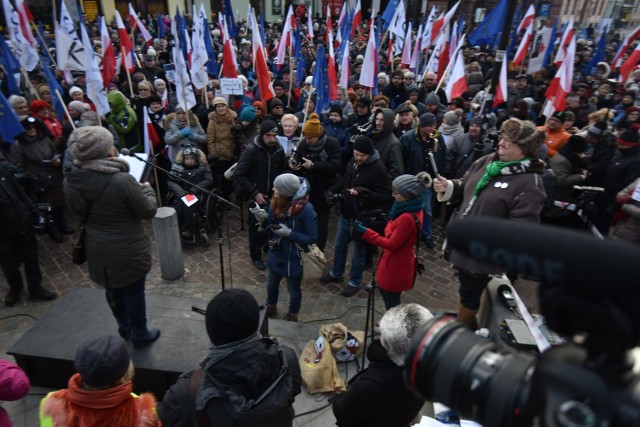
218	198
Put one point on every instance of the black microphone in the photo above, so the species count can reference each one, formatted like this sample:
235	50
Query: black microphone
505	293
559	257
126	152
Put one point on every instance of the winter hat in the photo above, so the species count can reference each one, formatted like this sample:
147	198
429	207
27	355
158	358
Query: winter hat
577	144
268	126
248	114
525	134
276	102
404	108
598	129
75	89
335	108
312	126
364	102
560	116
427	119
102	361
90	118
154	98
219	100
90	143
278	83
629	138
411	185
364	145
258	104
38	105
432	99
477	120
78	106
451	118
287	184
232	315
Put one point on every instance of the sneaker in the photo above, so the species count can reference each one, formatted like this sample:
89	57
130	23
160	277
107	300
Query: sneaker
152	335
40	293
272	309
429	244
259	264
328	278
349	291
12	297
290	317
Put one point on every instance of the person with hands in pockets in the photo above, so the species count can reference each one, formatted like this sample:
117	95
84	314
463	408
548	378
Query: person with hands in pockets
292	222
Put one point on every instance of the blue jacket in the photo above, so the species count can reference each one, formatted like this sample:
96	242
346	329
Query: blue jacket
285	259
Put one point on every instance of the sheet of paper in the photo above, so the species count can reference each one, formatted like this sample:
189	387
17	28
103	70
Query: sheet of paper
136	167
189	199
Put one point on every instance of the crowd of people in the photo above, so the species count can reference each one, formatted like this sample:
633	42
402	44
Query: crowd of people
388	150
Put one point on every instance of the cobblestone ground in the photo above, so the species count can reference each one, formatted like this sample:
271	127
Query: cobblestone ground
435	289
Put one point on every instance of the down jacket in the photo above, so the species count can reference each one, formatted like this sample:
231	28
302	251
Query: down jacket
221	143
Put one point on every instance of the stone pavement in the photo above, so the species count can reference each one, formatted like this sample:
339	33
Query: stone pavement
436	289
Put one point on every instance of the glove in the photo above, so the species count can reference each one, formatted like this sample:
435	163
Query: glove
259	213
186	132
362	192
282	230
359	226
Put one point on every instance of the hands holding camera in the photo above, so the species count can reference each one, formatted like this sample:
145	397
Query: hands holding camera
281	230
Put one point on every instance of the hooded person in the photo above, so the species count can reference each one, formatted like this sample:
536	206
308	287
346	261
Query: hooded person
451	126
378	395
569	167
100	189
102	389
182	129
244	379
125	122
385	142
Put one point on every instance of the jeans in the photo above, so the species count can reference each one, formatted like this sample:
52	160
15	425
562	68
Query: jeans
391	299
293	285
343	238
129	308
427	209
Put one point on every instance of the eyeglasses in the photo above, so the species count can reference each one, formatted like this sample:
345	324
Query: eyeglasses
277	106
143	89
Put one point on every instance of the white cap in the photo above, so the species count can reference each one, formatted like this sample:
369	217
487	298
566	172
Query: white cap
308	80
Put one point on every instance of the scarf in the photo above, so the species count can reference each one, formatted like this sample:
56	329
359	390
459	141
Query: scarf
446	129
108	165
408	206
318	146
498	168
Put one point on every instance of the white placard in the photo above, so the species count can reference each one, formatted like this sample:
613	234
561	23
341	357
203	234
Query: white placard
284	143
189	199
231	87
136	167
170	72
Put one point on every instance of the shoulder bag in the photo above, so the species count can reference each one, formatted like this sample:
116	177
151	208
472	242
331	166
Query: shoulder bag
79	254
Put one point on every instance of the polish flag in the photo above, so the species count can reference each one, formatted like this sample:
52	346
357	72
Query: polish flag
125	43
444	52
344	65
265	86
406	50
560	86
343	15
416	52
357	20
286	39
428	28
457	83
529	17
629	64
501	88
443	21
25	17
617	60
108	54
390	49
134	20
567	36
151	138
331	64
228	56
370	66
521	53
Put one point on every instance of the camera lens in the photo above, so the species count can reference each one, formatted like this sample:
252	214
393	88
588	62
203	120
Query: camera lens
448	363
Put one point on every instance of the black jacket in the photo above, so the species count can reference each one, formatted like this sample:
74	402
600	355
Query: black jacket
257	167
460	155
377	396
16	209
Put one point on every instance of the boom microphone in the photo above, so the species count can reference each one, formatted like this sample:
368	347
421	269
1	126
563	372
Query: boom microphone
125	152
557	256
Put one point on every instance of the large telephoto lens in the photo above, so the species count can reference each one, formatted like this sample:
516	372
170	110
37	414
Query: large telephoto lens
448	363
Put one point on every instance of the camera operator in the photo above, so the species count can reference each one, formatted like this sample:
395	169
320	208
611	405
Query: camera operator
378	396
18	244
507	184
365	187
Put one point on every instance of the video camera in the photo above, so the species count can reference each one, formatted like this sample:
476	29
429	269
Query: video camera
588	292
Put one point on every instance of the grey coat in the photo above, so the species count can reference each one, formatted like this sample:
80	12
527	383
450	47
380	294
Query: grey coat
118	249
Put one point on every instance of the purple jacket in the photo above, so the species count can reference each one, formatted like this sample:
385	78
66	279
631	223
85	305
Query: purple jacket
14	385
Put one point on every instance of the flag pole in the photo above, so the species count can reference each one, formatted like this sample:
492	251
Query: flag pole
66	111
34	27
306	107
123	64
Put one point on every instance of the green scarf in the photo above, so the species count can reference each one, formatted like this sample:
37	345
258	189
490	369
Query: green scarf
500	168
412	205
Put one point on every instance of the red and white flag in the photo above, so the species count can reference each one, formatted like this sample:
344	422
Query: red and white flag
265	87
151	138
286	40
25	18
567	36
343	15
406	50
501	88
26	51
229	69
344	64
443	21
310	23
357	20
457	83
523	48
95	84
184	89
560	86
331	61
415	55
126	46
369	73
134	20
428	28
108	54
529	17
629	64
617	60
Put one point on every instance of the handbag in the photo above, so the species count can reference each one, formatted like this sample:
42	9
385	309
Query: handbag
79	253
313	263
375	219
418	265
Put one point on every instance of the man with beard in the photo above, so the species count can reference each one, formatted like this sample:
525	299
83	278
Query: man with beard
396	90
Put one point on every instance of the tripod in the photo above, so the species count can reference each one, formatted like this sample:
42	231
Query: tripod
371	307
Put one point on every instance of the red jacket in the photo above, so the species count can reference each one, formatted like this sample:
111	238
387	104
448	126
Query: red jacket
396	265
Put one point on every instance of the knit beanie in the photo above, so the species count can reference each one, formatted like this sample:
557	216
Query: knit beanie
38	105
432	99
268	126
409	185
560	116
451	118
276	102
219	100
78	106
629	138
577	144
90	143
248	114
75	89
287	184
232	315
477	120
335	108
427	119
312	126
102	361
598	129
364	145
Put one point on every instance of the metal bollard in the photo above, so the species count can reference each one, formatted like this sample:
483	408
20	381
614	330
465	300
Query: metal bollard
167	232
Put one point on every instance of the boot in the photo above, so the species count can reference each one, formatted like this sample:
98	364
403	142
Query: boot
272	309
151	336
468	316
40	293
291	317
12	297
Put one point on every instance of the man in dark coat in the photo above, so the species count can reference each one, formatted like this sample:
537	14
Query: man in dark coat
258	166
396	90
378	396
244	380
386	143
